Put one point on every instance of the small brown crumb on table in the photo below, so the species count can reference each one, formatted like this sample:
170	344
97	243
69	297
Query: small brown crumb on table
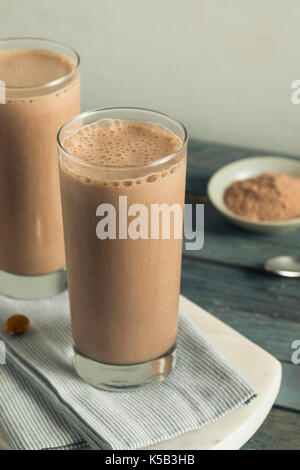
16	324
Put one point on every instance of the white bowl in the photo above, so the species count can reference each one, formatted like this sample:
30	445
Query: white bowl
247	168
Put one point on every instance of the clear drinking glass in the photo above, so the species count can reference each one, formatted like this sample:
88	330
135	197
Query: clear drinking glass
32	256
124	292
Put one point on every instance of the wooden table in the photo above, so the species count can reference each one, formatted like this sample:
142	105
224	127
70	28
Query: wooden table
227	279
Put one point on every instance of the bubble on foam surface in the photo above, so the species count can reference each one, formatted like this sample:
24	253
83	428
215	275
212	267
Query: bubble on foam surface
115	142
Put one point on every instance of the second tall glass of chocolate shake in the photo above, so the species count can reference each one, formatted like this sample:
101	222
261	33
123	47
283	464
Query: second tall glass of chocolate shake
41	80
122	173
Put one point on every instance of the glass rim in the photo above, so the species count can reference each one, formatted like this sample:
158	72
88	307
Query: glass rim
53	83
154	163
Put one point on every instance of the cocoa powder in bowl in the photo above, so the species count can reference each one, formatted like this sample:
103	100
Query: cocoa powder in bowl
267	197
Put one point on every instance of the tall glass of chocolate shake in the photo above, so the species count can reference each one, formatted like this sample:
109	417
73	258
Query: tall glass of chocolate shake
122	173
42	91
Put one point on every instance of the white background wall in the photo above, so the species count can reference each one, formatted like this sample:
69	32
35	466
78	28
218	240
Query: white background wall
223	67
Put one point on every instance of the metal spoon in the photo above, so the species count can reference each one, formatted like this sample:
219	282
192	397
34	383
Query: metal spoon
288	266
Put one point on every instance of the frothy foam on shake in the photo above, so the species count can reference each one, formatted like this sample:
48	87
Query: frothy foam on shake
114	142
33	67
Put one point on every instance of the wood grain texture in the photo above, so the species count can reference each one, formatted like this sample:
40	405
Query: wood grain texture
225	242
289	395
227	278
281	430
230	288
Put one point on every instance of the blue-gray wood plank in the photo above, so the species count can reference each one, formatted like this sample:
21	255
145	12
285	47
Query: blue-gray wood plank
227	279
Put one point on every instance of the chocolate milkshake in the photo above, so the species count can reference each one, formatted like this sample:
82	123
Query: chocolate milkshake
123	292
42	92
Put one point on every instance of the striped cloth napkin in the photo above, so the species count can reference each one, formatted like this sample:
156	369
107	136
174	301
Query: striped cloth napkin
44	405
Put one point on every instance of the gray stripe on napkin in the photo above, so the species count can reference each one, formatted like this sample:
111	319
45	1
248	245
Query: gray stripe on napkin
27	415
64	411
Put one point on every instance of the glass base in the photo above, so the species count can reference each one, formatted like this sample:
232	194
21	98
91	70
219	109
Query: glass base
123	378
33	287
